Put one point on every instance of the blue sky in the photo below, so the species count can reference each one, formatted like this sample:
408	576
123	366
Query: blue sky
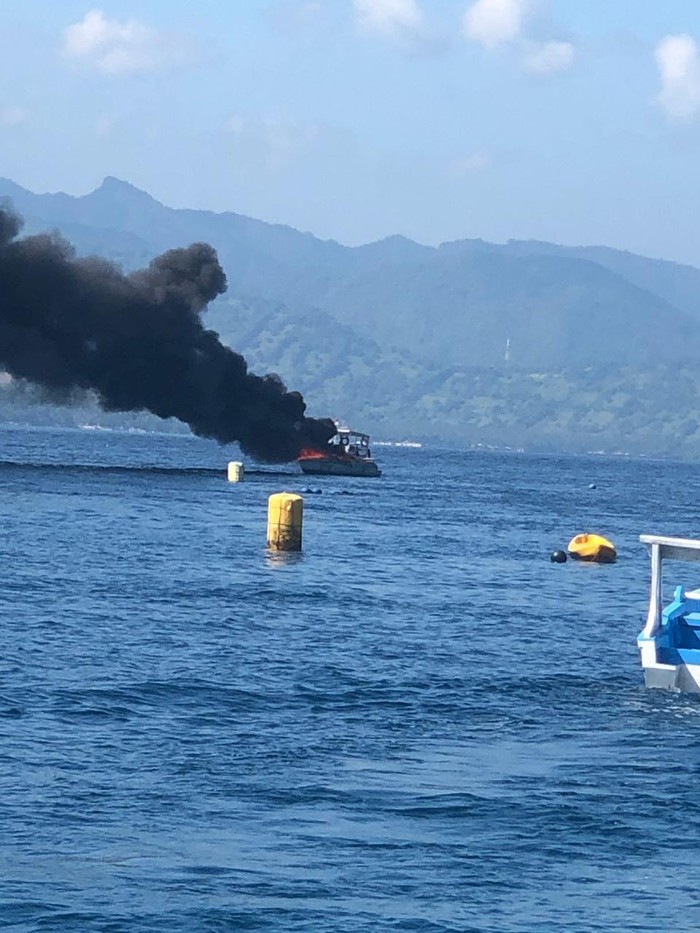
576	121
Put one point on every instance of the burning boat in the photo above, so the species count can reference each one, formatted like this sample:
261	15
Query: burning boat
347	454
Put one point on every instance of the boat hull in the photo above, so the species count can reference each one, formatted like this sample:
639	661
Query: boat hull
326	466
684	678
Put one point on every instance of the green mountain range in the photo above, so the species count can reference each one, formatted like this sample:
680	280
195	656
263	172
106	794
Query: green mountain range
523	344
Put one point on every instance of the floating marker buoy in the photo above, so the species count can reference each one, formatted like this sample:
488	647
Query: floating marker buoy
235	472
285	517
558	557
594	548
591	486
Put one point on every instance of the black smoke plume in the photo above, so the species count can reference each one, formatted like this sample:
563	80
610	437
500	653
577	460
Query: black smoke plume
137	341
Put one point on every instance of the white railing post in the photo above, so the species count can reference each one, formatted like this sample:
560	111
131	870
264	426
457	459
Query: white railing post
655	596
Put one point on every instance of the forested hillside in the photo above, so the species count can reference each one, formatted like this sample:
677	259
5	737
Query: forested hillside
523	344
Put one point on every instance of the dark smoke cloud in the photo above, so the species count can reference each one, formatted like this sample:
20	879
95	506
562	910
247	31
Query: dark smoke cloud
137	342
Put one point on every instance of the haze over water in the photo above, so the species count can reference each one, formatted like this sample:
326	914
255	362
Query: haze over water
418	724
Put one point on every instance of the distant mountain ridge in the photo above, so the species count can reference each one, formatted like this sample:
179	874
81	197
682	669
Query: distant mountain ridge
455	304
368	328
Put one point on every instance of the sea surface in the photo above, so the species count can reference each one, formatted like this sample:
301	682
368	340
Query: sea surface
418	724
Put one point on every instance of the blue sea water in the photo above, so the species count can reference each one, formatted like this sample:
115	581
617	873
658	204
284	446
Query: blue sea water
417	724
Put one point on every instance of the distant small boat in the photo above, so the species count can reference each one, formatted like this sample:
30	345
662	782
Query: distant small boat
593	548
347	454
416	444
669	643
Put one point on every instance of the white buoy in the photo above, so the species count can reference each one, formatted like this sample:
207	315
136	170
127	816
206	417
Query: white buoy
236	472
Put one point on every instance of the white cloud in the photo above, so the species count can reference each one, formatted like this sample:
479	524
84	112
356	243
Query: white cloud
471	164
294	16
274	142
396	19
493	22
678	62
548	57
105	125
13	116
117	47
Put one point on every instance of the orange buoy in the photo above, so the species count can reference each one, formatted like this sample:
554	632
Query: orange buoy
594	548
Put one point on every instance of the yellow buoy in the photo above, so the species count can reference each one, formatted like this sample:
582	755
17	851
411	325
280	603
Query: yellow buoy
285	517
236	472
593	548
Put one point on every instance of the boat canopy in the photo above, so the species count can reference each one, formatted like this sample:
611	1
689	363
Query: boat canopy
351	442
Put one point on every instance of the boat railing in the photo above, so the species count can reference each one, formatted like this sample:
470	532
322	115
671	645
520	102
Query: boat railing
662	548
